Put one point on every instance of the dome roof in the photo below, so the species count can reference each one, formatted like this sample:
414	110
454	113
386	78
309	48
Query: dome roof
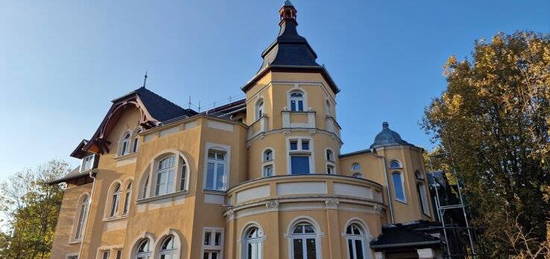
388	137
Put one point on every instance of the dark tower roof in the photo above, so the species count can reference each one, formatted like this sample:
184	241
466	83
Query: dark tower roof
290	52
289	49
388	137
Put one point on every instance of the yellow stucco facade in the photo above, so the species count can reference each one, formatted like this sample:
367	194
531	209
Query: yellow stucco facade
263	178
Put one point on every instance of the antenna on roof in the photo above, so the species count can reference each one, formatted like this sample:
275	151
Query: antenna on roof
189	103
145	79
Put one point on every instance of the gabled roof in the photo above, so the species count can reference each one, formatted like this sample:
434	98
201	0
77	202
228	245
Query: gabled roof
155	110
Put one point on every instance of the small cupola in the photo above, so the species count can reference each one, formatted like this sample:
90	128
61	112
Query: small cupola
388	137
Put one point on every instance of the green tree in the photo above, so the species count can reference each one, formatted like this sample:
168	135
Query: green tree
31	208
492	127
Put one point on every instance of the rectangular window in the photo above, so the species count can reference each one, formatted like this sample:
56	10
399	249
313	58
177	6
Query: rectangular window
105	254
294	145
118	254
423	198
299	164
72	257
268	170
213	243
215	171
305	144
398	186
87	163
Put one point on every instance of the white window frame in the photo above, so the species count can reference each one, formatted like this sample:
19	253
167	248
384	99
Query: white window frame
146	254
226	162
124	144
114	204
169	173
212	247
259	241
404	200
259	109
91	159
316	235
127	198
268	163
355	170
361	237
172	251
399	164
300	152
81	216
181	171
290	98
330	158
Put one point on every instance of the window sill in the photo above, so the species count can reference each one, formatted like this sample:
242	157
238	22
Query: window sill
299	111
215	192
127	156
115	218
401	201
74	242
162	197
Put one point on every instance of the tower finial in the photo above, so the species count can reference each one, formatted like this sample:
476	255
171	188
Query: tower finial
145	79
385	125
288	12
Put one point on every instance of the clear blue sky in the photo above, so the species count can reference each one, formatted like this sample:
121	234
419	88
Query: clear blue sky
61	62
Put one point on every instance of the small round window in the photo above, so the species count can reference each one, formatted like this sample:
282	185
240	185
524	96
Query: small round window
355	167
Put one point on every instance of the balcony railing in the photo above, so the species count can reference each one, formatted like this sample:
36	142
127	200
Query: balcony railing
305	186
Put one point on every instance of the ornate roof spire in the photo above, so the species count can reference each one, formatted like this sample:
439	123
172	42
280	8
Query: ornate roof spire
288	13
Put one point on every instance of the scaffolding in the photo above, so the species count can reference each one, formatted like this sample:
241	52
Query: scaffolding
458	251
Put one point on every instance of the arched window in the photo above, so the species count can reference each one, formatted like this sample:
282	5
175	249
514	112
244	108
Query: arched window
330	155
398	186
127	197
115	200
81	216
216	170
165	175
184	172
355	167
267	166
259	109
145	187
296	100
168	248
143	250
124	146
355	237
304	241
394	164
268	155
252	241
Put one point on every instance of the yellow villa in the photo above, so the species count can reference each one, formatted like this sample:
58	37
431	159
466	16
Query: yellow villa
259	178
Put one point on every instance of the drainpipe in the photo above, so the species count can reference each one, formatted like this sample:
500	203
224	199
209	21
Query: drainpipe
390	203
91	174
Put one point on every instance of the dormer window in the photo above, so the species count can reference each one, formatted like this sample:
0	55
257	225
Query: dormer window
297	101
87	163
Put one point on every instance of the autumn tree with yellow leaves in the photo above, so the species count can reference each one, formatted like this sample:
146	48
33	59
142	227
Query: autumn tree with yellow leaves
491	125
